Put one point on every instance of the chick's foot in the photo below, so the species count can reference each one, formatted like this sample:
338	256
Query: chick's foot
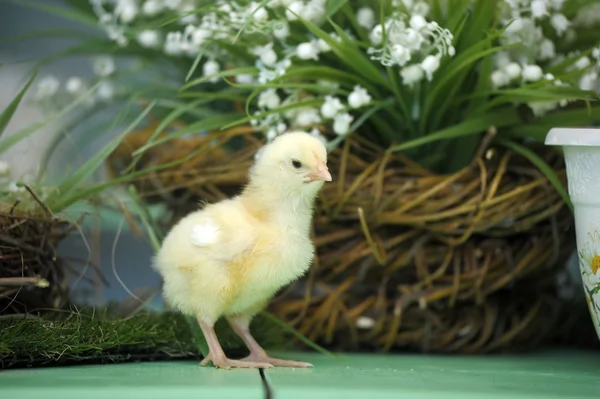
223	362
276	362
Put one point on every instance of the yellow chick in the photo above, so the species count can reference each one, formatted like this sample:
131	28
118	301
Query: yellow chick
229	258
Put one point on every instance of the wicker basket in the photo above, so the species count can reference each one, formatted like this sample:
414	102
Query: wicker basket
406	258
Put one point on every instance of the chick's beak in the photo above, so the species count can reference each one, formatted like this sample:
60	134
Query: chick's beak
321	173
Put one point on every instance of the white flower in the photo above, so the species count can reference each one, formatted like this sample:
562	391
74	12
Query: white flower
538	8
588	81
244	79
271	134
557	4
260	14
307	117
4	168
540	108
199	36
74	85
281	127
413	39
313	11
281	30
420	8
266	54
126	10
359	97
399	54
173	43
513	70
500	78
296	7
417	22
547	50
152	7
187	14
307	51
269	99
532	73
12	186
560	23
105	91
331	107
376	35
341	123
412	74
211	67
149	38
47	87
365	17
582	63
430	64
104	66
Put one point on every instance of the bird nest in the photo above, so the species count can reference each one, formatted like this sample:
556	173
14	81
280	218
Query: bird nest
406	258
32	276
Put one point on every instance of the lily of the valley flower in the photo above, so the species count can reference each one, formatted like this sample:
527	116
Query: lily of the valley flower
430	64
331	107
149	38
266	54
103	66
532	73
341	124
365	17
359	97
307	51
269	99
210	68
412	74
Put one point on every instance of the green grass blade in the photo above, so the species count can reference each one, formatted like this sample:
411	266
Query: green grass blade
8	142
71	184
221	74
540	164
474	125
334	6
9	111
141	209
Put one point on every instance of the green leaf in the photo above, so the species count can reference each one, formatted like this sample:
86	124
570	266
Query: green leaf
334	6
13	139
70	185
146	218
210	123
9	111
540	164
166	121
473	125
63	12
194	66
221	74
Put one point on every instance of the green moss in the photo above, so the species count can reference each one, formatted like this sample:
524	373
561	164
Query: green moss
88	337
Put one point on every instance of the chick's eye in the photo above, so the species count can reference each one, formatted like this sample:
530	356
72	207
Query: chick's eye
296	164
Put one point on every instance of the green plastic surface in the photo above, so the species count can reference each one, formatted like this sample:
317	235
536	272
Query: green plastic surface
573	375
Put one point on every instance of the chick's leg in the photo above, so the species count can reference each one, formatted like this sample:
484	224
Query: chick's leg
217	356
241	326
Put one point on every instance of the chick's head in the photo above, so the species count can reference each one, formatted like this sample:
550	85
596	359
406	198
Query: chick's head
295	160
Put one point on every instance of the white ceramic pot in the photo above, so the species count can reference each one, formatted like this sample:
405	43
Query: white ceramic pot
582	158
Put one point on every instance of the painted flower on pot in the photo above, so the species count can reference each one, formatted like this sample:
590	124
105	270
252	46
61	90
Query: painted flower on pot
589	257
